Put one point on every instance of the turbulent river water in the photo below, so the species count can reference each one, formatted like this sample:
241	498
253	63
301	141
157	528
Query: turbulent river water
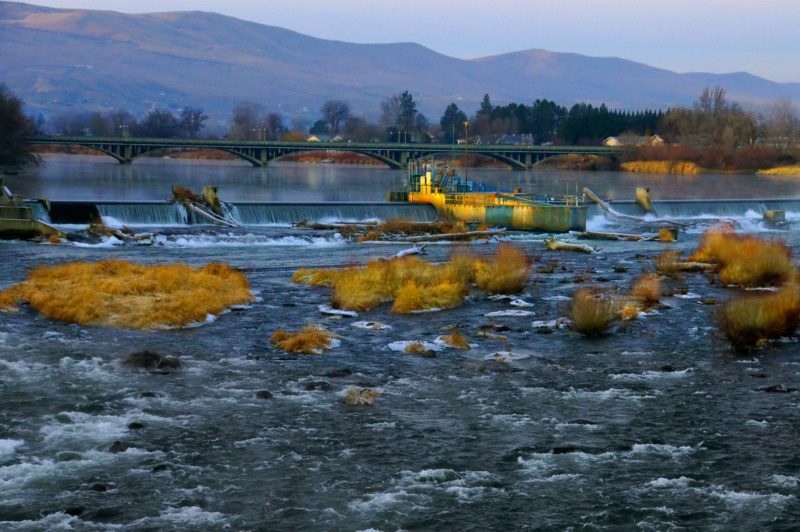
656	426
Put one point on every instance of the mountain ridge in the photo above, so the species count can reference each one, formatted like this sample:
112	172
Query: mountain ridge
92	59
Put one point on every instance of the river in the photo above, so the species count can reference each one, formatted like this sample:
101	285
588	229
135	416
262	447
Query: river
656	426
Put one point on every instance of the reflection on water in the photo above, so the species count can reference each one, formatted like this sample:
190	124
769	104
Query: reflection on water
89	177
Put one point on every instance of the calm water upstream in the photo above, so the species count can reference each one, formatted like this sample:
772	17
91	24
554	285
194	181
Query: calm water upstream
654	427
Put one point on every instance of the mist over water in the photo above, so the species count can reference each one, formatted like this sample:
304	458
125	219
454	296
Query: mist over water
656	426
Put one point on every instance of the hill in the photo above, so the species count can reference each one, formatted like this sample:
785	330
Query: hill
57	59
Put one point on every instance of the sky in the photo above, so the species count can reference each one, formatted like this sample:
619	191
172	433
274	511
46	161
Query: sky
716	36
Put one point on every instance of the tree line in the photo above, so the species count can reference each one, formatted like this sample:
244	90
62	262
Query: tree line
711	124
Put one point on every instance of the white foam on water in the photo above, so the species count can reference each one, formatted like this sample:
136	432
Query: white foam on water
688	295
557	298
400	345
376	502
601	395
370	325
670	483
754	423
204	241
598	223
746	498
651	375
509	420
510	313
112	222
379	427
783	481
9	447
51	522
190	516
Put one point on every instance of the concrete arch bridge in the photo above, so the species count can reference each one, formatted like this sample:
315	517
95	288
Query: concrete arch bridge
261	153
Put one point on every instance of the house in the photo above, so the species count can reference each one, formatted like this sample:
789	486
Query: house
321	137
633	140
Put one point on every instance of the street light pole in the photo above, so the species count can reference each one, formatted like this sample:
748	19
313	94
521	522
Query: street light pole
466	154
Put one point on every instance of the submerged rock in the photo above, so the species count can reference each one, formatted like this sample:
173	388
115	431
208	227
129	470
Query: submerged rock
319	385
263	394
149	360
117	447
429	353
777	388
135	425
339	373
99	487
667	369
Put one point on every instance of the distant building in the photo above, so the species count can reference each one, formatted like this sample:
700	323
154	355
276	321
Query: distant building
630	140
320	137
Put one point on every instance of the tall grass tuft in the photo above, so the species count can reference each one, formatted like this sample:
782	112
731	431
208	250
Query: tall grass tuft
592	311
114	293
312	340
416	285
667	263
751	320
506	272
744	260
647	291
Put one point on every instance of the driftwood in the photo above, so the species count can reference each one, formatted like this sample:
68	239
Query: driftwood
590	235
416	250
695	267
209	215
606	207
449	236
555	245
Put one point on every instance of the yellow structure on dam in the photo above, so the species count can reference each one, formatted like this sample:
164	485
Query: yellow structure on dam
457	201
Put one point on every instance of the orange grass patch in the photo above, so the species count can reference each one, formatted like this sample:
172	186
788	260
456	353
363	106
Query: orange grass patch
592	312
647	291
115	293
749	321
355	397
54	239
506	272
415	348
416	285
312	340
457	340
667	263
745	260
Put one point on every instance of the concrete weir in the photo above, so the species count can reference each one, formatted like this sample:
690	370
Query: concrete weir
17	220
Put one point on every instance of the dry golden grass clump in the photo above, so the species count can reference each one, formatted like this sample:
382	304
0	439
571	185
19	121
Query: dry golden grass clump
54	239
667	263
415	285
180	193
415	348
592	311
665	235
750	321
457	340
506	272
312	340
415	298
365	397
395	226
114	293
647	291
745	260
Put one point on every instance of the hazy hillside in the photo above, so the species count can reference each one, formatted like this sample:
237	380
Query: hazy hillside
56	58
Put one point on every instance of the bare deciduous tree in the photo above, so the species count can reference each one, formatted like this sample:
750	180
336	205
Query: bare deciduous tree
334	112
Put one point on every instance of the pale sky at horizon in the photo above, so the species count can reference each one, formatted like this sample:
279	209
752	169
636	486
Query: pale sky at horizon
716	36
